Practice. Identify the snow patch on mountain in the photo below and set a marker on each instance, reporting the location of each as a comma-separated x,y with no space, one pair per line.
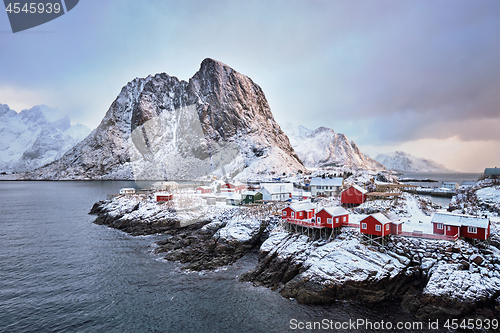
35,137
404,162
325,148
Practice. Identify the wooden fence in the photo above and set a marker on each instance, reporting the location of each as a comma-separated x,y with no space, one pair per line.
420,234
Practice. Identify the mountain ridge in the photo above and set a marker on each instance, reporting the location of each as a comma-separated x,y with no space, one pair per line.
404,162
323,147
35,137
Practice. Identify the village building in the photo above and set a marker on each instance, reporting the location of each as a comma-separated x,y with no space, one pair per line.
299,194
205,190
276,192
327,187
354,195
232,187
127,190
234,199
466,226
163,196
376,227
332,217
450,185
299,211
250,197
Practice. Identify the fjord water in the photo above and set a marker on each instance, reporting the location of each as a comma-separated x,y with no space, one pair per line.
59,272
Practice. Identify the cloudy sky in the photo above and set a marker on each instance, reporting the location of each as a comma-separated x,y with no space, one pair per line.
421,76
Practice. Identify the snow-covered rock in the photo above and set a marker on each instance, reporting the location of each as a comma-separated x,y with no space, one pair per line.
325,148
160,127
35,137
239,230
404,162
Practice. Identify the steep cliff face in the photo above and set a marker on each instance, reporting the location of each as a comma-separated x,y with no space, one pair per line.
159,127
324,148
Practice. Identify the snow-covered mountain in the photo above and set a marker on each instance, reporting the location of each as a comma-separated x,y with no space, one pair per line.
325,148
160,127
404,162
35,137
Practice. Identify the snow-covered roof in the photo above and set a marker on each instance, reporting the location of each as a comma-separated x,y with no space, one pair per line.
359,188
386,217
205,187
234,196
304,205
276,189
249,193
335,181
336,211
459,220
288,186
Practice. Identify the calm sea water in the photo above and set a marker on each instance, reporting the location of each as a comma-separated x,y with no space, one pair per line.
59,272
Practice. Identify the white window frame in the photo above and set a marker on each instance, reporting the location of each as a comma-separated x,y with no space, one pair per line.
284,213
329,220
439,226
293,214
448,228
472,230
336,220
301,214
363,226
378,227
345,218
387,227
318,219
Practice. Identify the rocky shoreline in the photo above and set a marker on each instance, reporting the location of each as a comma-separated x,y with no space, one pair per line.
429,278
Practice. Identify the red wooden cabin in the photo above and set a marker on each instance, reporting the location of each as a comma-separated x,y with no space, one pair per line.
204,189
354,195
380,224
462,225
163,196
233,187
332,217
299,211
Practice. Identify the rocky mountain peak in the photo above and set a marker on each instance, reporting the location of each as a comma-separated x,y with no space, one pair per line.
166,128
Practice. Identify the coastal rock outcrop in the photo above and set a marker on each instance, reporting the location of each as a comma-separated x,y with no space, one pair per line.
315,272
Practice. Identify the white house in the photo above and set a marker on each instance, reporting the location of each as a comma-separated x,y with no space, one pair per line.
276,192
326,186
449,185
127,190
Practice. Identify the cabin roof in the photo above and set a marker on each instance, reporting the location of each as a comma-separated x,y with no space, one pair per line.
234,196
359,188
335,181
249,193
276,189
459,220
386,217
336,211
304,205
